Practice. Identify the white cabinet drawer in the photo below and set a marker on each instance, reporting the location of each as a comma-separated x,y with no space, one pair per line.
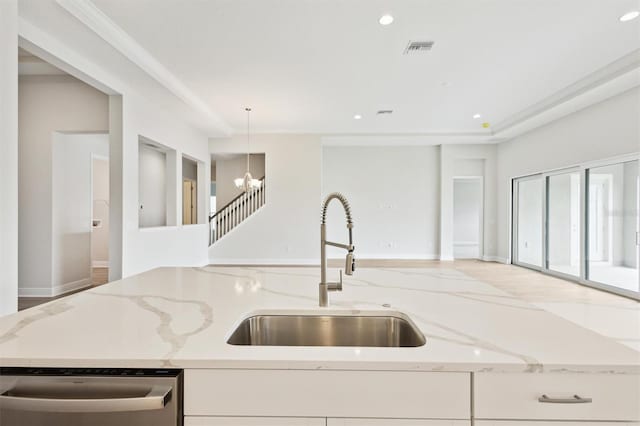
515,396
543,423
253,421
321,393
396,422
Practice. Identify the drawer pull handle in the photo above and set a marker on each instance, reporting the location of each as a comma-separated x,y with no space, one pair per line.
575,400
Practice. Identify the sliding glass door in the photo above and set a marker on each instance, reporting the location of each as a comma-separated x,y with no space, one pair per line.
582,224
528,202
612,231
563,223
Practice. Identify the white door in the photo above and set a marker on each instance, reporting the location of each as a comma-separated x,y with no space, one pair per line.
467,217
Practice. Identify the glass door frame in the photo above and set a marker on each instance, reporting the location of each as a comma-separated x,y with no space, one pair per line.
585,248
545,223
515,194
584,224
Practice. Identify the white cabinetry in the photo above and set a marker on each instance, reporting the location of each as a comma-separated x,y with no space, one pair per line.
543,423
253,421
593,397
396,422
322,393
228,397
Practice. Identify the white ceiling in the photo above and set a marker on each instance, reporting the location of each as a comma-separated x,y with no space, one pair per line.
309,65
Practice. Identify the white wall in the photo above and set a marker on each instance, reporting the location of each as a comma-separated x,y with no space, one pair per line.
8,156
152,184
71,208
286,229
173,245
228,169
100,235
604,130
133,250
393,192
189,169
47,104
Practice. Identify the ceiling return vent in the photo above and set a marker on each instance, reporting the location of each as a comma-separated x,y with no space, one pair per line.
418,47
385,112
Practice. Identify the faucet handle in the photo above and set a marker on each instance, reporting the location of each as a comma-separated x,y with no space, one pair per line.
336,286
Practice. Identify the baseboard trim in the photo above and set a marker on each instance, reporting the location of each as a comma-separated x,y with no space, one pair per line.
394,256
316,262
495,259
56,290
34,292
74,285
279,262
100,264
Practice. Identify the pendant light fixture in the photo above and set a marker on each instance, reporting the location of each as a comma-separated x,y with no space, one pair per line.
247,183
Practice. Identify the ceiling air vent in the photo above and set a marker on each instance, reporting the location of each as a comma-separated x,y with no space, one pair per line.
418,47
385,112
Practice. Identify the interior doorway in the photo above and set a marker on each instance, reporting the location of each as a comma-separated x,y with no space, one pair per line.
189,191
189,202
99,219
468,214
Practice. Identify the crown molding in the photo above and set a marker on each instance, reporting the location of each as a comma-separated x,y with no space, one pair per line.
94,19
611,80
407,139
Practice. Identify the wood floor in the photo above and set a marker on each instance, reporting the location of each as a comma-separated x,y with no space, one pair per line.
99,276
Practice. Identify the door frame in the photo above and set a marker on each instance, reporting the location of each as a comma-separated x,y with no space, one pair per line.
515,190
194,197
480,180
94,157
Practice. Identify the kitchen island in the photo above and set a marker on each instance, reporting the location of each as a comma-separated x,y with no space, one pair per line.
490,358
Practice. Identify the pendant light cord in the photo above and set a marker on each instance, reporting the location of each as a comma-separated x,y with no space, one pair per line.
248,137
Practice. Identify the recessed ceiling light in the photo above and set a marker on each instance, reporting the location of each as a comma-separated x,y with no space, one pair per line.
476,116
385,19
629,16
357,117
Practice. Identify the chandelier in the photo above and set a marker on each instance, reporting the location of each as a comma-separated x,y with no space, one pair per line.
247,183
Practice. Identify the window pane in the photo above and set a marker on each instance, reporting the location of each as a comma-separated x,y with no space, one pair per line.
613,223
563,223
529,221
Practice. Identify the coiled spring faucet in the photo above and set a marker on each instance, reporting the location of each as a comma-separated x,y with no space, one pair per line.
350,262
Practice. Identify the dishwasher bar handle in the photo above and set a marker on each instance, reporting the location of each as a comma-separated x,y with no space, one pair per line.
155,399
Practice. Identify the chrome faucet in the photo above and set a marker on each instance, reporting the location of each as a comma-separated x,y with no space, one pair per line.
350,262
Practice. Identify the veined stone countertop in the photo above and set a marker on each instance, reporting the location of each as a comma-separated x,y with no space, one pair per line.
182,317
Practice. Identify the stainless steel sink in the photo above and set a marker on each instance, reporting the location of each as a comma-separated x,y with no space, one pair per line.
328,330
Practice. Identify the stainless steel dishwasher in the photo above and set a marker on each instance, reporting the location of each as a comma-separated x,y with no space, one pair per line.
90,397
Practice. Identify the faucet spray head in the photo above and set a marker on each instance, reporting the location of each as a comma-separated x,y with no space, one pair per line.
350,263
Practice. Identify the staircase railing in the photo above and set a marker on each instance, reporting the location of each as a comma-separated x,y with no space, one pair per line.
236,211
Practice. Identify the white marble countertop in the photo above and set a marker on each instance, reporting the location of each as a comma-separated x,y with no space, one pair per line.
182,317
